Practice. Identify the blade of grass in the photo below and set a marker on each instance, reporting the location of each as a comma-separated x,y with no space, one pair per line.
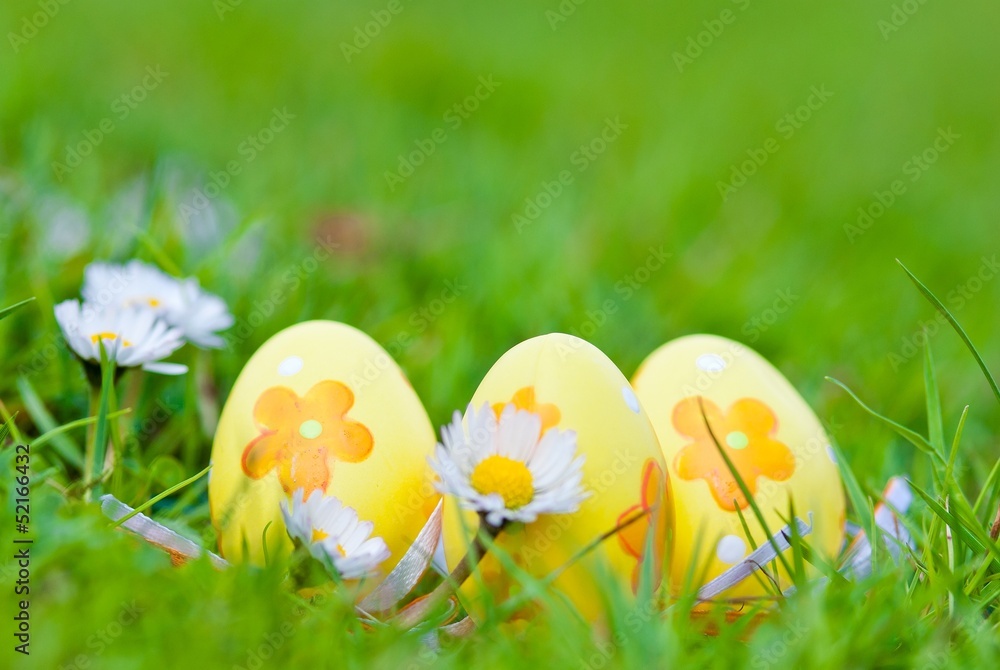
11,425
68,450
157,498
7,311
991,481
969,533
935,424
5,430
50,435
914,438
745,490
746,529
859,501
933,299
101,427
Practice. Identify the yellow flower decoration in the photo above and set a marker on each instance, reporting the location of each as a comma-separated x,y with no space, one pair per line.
300,435
746,433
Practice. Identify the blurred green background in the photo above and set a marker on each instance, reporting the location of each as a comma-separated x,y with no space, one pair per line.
696,89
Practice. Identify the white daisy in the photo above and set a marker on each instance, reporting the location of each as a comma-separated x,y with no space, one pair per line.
180,302
333,534
507,470
132,337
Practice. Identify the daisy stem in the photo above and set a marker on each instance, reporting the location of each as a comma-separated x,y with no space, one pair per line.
97,446
88,456
413,615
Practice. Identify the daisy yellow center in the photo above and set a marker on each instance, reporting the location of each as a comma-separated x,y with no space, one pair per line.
97,337
508,478
153,302
318,535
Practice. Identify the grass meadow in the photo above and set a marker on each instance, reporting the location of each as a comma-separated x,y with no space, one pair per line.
453,178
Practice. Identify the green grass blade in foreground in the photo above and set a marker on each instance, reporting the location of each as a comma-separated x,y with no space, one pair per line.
954,324
11,426
65,447
7,311
157,498
935,424
5,430
953,454
745,490
50,435
101,429
859,501
914,438
971,534
984,495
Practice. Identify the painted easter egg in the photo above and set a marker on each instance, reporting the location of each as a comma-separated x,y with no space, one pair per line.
768,431
572,386
320,406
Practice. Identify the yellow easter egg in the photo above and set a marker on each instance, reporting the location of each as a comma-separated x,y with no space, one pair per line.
572,386
769,432
320,406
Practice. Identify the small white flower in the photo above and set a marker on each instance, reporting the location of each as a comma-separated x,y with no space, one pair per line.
506,469
132,337
180,302
333,534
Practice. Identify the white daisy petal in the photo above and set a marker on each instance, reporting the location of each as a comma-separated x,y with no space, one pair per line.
166,368
333,534
132,337
505,469
182,304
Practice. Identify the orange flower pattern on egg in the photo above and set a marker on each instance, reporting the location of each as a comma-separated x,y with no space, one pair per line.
524,398
632,538
746,432
299,435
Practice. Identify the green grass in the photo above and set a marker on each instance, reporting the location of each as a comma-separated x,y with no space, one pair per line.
847,310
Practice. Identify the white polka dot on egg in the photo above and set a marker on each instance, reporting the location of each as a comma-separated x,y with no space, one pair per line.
831,454
731,549
710,363
629,395
290,366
